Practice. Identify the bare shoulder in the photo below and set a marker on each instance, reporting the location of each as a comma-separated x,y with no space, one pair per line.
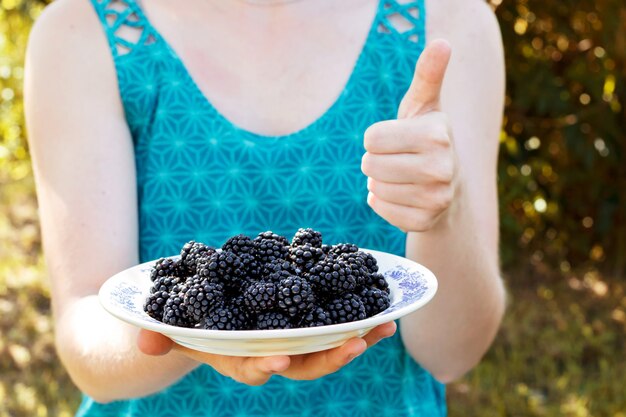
65,24
68,55
459,18
477,51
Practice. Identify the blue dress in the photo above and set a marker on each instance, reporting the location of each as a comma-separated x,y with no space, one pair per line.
201,177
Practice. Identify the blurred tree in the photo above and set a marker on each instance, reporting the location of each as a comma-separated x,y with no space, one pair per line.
562,159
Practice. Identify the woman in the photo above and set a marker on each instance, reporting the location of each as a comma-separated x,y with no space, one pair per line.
155,123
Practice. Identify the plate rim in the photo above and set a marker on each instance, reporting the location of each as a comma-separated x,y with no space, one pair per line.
370,322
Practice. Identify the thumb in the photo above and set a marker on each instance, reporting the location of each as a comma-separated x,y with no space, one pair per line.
424,91
154,344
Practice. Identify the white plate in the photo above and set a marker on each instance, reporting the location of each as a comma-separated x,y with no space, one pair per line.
411,285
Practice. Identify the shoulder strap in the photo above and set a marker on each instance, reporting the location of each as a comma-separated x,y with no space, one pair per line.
405,18
125,25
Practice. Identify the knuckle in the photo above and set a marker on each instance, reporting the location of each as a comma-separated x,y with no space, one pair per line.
440,136
444,199
418,223
444,171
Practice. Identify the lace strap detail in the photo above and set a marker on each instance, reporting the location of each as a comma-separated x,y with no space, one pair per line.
404,18
125,24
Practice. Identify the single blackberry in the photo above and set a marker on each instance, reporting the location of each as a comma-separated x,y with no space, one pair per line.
241,316
224,267
356,264
239,245
201,296
279,269
174,313
166,284
250,268
307,237
346,308
155,304
220,319
159,293
191,253
376,280
305,256
332,276
370,262
270,246
260,297
165,267
315,317
294,296
344,248
374,300
272,320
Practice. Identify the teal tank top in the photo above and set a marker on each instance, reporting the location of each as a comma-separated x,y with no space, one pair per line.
201,177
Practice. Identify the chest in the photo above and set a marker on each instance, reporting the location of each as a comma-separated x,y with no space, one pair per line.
268,71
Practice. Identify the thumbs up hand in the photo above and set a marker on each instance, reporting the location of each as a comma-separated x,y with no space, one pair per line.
410,162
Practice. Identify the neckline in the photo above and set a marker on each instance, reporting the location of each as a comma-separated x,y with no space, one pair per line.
207,103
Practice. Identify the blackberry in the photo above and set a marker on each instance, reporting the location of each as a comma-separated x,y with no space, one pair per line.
191,253
344,248
220,319
260,297
270,246
225,267
374,300
201,296
294,296
155,303
307,237
317,316
356,264
159,293
174,313
250,268
305,256
376,280
239,245
346,308
272,320
165,267
279,269
326,249
241,316
369,261
331,277
166,284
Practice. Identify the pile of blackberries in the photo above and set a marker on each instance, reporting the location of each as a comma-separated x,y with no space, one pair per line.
266,283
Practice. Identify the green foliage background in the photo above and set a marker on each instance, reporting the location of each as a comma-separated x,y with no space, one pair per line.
561,348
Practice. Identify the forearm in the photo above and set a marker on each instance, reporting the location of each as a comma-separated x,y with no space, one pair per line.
450,335
101,355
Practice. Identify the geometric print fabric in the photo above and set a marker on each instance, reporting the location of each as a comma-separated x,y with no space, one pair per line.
201,177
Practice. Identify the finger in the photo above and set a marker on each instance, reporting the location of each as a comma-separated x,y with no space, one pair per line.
408,168
248,370
380,332
152,343
427,196
423,94
409,219
316,365
408,135
257,371
399,168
